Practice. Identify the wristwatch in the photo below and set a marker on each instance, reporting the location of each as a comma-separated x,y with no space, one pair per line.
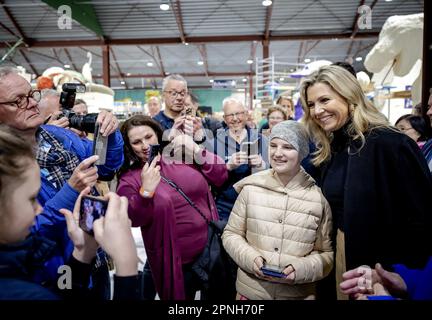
146,194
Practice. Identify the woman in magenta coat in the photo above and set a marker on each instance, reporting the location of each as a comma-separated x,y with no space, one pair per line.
174,233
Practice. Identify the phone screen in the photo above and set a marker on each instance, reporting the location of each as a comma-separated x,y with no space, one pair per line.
154,150
249,147
91,209
273,271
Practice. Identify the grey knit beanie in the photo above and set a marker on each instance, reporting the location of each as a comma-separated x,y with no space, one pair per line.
295,134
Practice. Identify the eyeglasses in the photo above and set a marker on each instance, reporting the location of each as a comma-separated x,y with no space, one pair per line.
173,94
232,115
23,101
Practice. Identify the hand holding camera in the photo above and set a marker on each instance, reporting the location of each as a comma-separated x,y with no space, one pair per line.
57,119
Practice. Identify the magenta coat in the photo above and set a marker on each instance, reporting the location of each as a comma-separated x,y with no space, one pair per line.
173,232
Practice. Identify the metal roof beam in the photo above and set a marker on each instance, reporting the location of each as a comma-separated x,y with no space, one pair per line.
210,74
70,59
253,54
56,58
120,73
179,19
12,19
106,74
8,30
29,63
355,27
203,52
161,65
269,11
209,39
92,52
82,12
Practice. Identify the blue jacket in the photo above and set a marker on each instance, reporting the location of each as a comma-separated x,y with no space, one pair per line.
51,224
224,146
164,121
419,282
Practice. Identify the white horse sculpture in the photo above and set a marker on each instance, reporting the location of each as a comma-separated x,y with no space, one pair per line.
398,52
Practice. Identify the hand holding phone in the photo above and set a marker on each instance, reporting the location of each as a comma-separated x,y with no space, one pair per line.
100,145
91,209
250,147
154,151
272,271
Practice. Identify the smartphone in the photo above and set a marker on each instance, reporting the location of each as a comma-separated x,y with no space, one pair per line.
154,150
273,271
100,146
189,111
249,147
91,209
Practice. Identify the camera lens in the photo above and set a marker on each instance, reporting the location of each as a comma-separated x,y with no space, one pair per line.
83,123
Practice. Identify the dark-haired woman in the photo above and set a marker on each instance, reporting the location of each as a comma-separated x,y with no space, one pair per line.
174,233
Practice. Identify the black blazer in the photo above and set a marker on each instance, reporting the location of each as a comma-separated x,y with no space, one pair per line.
387,207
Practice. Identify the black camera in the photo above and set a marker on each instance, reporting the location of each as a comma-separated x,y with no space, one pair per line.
67,99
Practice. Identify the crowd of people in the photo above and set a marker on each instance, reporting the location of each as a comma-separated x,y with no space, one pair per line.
338,197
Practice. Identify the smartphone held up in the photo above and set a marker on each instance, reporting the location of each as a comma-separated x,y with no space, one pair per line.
91,209
100,146
154,151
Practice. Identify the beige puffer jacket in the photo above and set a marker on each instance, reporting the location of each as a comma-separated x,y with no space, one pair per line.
285,225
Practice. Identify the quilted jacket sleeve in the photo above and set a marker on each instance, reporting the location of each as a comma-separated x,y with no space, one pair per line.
234,236
319,262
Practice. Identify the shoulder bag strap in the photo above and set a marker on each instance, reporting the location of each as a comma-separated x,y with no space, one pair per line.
179,190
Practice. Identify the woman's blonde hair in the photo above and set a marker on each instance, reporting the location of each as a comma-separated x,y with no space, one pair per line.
279,108
15,154
364,116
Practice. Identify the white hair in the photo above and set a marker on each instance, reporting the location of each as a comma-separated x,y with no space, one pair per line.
4,71
175,77
49,92
230,100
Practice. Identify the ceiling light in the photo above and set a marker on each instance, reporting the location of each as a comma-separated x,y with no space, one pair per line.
149,64
249,61
267,3
164,6
291,70
244,80
281,79
359,59
186,43
200,63
67,66
388,0
211,80
128,74
307,60
122,82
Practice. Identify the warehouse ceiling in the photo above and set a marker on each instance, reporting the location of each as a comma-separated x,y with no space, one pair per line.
201,39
